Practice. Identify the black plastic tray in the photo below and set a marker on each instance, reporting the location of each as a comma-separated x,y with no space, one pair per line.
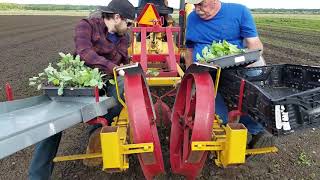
294,89
250,56
53,91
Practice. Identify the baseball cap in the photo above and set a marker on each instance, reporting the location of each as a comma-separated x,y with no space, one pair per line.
122,7
194,1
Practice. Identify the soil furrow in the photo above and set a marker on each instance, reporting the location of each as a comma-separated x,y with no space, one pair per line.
26,31
315,41
16,43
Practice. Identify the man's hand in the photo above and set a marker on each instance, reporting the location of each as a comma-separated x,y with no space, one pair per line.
121,72
188,57
255,43
260,62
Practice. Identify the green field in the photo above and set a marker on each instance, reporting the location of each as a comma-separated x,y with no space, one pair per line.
46,13
45,9
287,21
291,37
289,16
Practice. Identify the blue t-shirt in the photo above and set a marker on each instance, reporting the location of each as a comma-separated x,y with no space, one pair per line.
113,37
232,23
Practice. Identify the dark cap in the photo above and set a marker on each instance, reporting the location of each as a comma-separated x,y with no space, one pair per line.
122,7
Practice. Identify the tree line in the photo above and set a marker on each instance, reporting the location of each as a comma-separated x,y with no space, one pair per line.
50,7
286,11
44,7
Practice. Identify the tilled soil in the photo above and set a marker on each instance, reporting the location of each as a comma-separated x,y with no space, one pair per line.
29,43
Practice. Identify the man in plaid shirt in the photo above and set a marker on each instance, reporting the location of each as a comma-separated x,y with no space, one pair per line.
102,42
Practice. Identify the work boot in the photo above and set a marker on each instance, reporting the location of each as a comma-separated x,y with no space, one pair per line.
261,140
94,146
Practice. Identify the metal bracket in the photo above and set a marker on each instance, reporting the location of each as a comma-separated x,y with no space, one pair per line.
262,150
229,144
207,146
77,157
126,149
137,148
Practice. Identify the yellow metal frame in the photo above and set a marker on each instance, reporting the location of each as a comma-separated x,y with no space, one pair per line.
163,81
77,157
166,81
216,84
117,87
115,159
217,80
229,144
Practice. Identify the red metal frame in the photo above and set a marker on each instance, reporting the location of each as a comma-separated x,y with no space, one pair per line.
142,123
162,110
241,93
98,120
154,57
235,114
182,12
96,93
170,59
192,120
9,92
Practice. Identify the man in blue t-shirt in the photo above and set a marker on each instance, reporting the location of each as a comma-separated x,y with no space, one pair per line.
213,20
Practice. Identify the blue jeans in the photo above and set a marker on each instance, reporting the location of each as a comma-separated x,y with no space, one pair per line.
222,110
41,164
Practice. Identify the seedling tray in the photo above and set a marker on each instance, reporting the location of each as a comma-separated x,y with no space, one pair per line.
53,91
281,97
248,57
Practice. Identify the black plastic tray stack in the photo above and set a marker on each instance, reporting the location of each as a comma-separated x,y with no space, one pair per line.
296,88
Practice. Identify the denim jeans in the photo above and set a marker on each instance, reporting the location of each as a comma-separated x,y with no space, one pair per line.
221,109
41,164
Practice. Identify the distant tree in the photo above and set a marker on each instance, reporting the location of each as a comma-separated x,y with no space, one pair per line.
44,7
285,11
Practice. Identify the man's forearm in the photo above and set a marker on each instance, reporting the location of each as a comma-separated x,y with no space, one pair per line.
255,43
188,57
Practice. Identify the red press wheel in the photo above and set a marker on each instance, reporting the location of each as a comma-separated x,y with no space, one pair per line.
142,123
192,120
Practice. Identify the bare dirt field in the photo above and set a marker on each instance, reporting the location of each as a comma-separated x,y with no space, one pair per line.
29,43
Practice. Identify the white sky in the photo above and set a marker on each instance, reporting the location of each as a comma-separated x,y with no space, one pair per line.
289,4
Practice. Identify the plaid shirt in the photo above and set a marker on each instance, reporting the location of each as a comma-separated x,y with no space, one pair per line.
96,49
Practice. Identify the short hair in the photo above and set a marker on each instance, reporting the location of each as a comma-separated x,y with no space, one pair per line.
108,16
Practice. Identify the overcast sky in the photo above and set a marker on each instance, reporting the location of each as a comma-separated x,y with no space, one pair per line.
289,4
